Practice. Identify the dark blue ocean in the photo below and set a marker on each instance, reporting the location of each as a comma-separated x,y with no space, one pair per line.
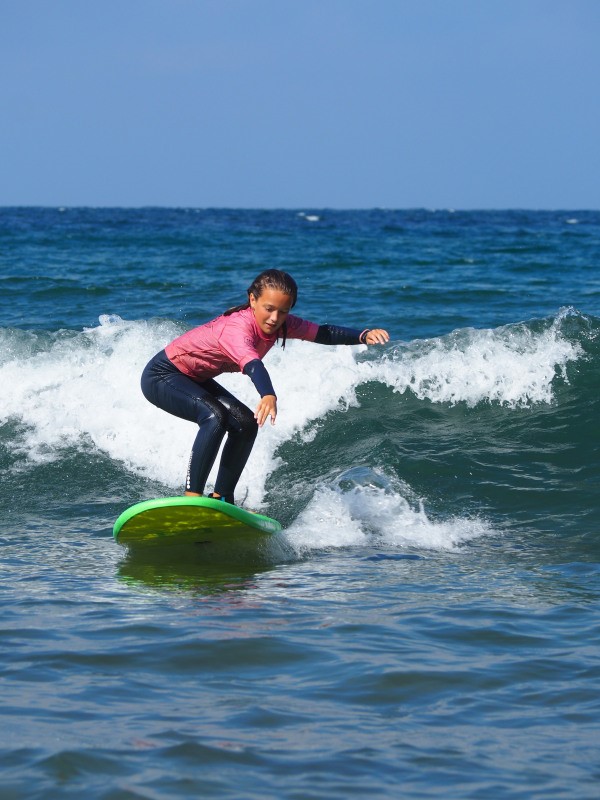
428,623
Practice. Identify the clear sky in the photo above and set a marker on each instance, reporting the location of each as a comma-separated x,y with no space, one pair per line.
300,103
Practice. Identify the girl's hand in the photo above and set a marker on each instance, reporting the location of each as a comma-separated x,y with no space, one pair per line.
377,336
266,408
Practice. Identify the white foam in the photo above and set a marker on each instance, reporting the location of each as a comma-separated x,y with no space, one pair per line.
372,515
86,387
512,366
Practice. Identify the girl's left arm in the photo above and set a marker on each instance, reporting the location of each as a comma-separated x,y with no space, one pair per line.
335,334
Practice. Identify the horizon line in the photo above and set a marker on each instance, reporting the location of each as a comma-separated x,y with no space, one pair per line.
301,209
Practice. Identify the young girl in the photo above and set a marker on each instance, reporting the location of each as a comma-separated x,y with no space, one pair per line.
180,379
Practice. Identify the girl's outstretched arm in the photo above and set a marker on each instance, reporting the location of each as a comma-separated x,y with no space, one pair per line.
336,334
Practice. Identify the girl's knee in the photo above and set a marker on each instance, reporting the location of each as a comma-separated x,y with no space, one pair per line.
211,414
248,424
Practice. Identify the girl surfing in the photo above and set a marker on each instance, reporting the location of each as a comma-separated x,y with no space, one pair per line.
180,379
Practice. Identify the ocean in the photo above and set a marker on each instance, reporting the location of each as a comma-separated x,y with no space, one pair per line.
427,625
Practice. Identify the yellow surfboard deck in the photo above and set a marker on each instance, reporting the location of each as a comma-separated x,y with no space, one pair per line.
190,521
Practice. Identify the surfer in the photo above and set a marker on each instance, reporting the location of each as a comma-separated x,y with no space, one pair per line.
180,379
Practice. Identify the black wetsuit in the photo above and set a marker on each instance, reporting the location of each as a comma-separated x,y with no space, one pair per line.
217,412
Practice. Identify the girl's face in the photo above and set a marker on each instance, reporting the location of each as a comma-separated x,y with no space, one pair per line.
270,309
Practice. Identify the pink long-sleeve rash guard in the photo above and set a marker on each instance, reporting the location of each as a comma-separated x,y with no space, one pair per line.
228,343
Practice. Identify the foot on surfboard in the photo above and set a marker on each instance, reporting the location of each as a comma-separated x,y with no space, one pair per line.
215,496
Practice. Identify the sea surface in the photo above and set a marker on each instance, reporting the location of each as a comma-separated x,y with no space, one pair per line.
428,623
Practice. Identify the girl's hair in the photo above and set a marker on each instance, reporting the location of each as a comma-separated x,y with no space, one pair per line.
270,279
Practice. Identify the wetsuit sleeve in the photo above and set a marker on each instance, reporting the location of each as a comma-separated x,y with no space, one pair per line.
334,334
257,372
298,328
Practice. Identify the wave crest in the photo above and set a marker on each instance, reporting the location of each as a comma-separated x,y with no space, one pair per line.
81,388
514,365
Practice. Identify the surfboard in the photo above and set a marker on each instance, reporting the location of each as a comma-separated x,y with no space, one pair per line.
199,521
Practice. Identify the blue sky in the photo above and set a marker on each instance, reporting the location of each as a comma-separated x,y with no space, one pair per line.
310,104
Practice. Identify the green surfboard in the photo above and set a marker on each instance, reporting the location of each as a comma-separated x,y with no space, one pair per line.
201,521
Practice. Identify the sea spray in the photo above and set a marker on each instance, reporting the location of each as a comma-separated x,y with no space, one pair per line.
368,508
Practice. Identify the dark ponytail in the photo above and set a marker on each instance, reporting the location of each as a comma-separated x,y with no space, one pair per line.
270,279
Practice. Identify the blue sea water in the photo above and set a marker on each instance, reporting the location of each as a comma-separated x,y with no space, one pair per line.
427,624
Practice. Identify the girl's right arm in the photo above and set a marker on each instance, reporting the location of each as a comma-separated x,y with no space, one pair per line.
266,408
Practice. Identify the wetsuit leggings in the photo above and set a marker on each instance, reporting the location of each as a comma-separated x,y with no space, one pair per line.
216,411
